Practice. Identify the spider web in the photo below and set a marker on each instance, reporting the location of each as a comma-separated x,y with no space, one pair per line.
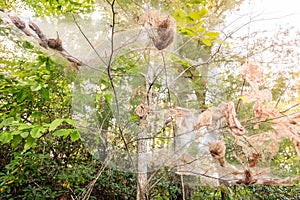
150,115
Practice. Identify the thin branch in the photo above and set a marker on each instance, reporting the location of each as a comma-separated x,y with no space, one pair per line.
151,177
182,185
281,94
86,38
91,185
289,108
166,77
239,101
274,118
209,60
110,77
150,86
201,174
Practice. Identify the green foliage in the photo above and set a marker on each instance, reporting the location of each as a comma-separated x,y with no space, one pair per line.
51,7
5,4
54,171
167,185
35,98
193,25
116,185
286,162
279,88
59,168
41,154
251,192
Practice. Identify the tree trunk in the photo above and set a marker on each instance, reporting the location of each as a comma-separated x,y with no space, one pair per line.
142,162
223,195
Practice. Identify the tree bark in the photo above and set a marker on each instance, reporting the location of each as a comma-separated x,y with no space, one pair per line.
223,195
142,162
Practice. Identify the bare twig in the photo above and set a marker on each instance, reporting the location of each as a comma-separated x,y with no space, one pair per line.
289,108
149,87
166,77
182,185
86,38
110,77
280,96
92,184
239,101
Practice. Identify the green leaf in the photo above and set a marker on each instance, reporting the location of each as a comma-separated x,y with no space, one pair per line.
36,132
134,118
189,20
195,16
48,64
36,114
16,132
206,42
6,122
27,45
45,93
24,127
24,134
6,137
108,97
35,87
16,140
70,121
75,3
244,99
55,124
211,35
178,14
21,96
188,31
62,132
75,136
29,143
203,12
201,29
